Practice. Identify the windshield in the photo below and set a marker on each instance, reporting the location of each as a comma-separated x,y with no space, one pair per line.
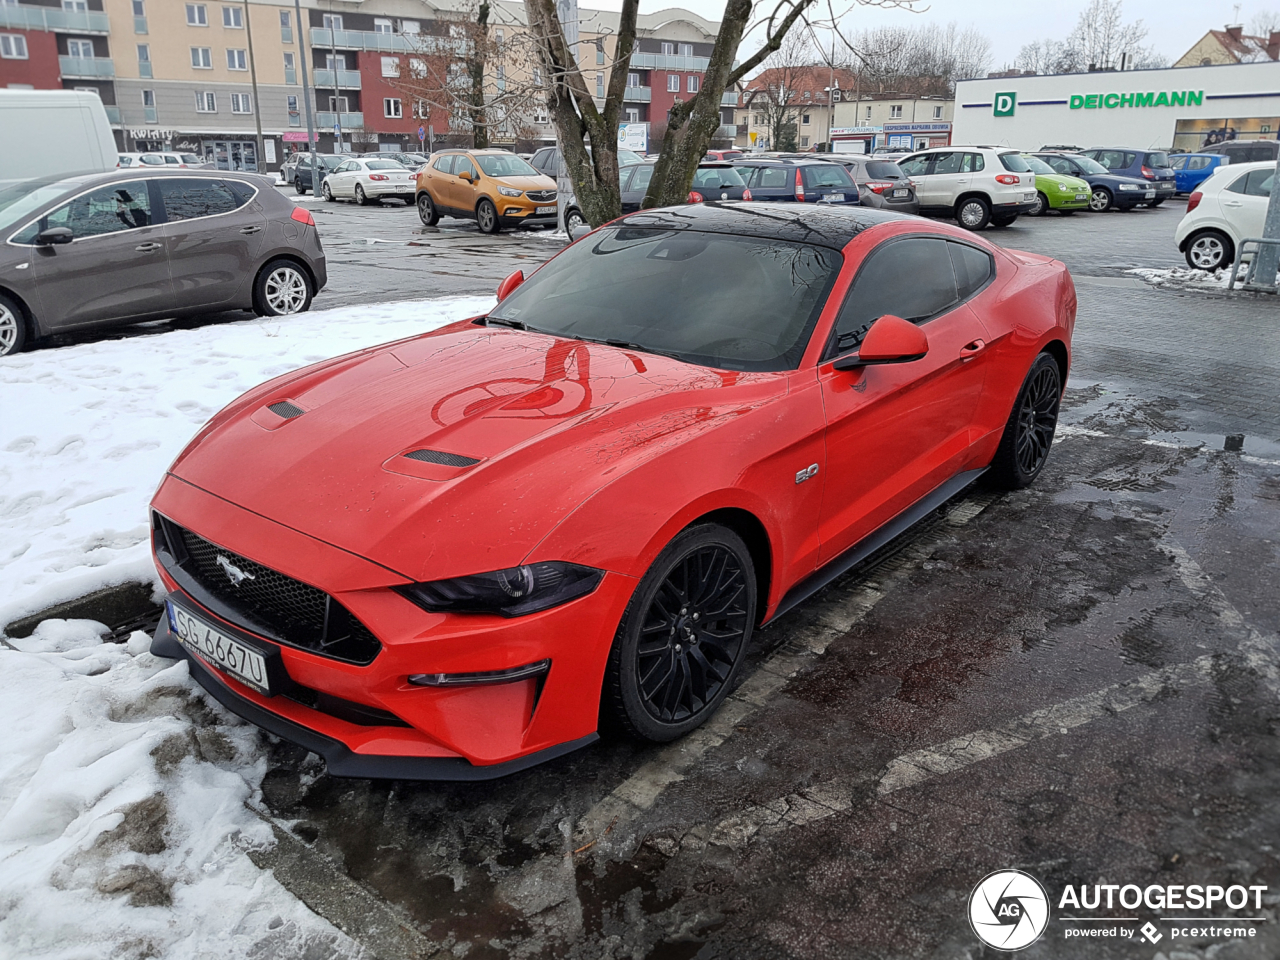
827,175
1089,165
717,178
191,158
19,199
628,157
497,165
1014,163
736,303
1037,165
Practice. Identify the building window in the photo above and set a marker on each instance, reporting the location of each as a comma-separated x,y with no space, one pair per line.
693,83
337,104
391,107
633,79
668,49
599,84
332,21
148,98
412,27
895,112
78,5
937,113
286,26
233,17
241,103
499,36
332,62
144,53
202,58
236,60
868,113
291,105
418,69
633,114
391,66
206,101
290,73
804,141
599,54
686,49
81,49
196,15
537,76
13,46
673,83
139,8
382,26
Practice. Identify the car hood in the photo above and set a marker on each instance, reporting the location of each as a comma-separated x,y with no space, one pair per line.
1075,183
540,424
528,183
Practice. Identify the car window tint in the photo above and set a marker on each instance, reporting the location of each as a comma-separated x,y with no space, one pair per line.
716,178
973,267
1129,160
1260,152
911,278
775,177
1013,162
188,198
1258,183
948,163
827,175
110,209
244,192
914,166
1060,164
1199,163
1238,184
1157,159
642,177
152,159
883,170
972,163
445,164
464,165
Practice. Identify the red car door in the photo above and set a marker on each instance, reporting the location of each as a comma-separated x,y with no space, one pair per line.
896,431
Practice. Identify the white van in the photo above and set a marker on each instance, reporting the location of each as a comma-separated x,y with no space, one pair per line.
51,132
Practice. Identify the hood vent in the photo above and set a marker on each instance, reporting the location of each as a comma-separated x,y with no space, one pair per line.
442,458
283,408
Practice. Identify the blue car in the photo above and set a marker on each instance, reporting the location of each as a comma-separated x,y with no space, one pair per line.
783,180
1192,169
1107,191
1149,165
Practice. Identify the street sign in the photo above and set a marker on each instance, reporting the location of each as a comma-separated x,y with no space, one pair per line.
422,134
336,129
753,136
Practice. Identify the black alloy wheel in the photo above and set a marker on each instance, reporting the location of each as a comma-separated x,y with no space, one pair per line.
683,637
1028,434
427,211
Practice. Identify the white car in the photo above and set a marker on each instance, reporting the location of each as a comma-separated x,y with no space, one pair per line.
157,160
1230,206
367,180
973,185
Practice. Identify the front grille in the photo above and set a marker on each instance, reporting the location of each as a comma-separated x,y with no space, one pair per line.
265,601
540,196
442,458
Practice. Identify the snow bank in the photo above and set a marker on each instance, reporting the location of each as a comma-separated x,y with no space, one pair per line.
1186,278
123,824
88,431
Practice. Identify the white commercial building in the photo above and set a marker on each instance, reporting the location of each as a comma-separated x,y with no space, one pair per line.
1184,108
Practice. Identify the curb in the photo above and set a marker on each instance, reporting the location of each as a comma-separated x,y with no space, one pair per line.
118,607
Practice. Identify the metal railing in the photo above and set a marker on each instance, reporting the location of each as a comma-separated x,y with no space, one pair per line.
662,61
638,95
139,24
113,112
144,69
51,18
728,100
349,121
347,79
85,66
324,38
1249,281
149,114
290,75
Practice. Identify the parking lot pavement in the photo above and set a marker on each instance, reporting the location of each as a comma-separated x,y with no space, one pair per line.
1078,680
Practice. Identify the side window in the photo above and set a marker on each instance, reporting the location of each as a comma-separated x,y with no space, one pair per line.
1238,185
973,163
1061,165
914,166
540,159
111,209
1198,163
1178,163
187,199
171,159
642,177
444,164
973,268
880,288
1129,160
948,162
243,192
464,165
1258,183
1259,152
775,177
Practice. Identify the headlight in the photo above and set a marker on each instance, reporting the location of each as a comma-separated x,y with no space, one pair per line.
1131,186
510,192
1063,188
513,592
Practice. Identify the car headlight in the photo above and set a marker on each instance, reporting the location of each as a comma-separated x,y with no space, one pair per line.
510,192
1063,188
513,592
1131,186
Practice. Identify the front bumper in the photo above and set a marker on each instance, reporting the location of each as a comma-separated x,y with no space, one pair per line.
513,215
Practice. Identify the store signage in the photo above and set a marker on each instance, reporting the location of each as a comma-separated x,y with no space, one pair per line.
917,127
853,131
1174,98
1004,104
292,136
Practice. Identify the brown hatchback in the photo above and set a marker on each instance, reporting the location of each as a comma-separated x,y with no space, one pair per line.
128,246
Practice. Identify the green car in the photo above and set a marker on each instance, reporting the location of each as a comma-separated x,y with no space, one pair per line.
1056,191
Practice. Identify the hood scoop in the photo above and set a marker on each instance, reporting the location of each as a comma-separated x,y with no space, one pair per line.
442,458
430,465
283,408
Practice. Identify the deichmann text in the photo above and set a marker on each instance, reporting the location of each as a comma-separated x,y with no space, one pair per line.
1156,897
1175,98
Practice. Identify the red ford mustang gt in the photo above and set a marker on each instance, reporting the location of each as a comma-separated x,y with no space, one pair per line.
457,555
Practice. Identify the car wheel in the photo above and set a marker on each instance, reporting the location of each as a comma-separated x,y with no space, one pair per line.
1003,221
427,211
360,197
973,213
1100,200
1028,435
1209,250
298,188
328,194
1155,203
487,217
683,637
13,327
1041,207
282,288
573,219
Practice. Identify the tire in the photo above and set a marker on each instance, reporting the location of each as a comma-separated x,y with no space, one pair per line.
973,213
282,289
668,686
1101,200
298,188
573,219
13,328
487,217
328,194
427,211
360,197
1041,207
1003,222
1028,434
1209,250
1155,203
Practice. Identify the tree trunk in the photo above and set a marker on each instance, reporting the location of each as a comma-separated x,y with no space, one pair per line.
479,124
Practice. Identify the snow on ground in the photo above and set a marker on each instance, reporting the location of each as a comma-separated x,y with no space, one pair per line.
1186,278
123,818
89,430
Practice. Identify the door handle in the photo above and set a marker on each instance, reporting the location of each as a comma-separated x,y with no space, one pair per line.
1232,203
148,246
250,229
972,349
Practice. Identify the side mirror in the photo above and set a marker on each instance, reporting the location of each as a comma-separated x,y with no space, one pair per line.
465,175
890,340
54,235
507,286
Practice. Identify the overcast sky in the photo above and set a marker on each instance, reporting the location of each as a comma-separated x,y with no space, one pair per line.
1173,25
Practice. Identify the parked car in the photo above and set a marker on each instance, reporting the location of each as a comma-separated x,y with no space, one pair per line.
326,163
1056,191
369,181
1151,166
972,185
785,180
723,155
134,245
711,181
414,160
1245,151
493,187
1228,207
175,161
589,498
881,183
1192,169
289,169
1107,190
549,160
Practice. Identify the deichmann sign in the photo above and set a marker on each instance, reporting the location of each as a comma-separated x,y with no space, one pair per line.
1173,98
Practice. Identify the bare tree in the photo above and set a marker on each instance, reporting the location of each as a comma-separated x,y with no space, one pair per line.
1099,41
775,94
1264,23
924,60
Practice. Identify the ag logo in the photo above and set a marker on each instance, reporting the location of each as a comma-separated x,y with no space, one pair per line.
1008,910
1004,104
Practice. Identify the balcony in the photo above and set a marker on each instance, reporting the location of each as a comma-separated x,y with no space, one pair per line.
728,100
325,39
726,131
290,75
345,79
144,69
638,95
113,113
349,121
149,115
661,61
50,18
139,24
85,68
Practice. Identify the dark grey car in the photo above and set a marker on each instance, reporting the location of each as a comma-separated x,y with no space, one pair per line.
128,246
881,183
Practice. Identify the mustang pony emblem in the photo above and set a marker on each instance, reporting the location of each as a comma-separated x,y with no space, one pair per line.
234,573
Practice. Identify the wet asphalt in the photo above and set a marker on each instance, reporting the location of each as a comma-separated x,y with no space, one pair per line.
1078,680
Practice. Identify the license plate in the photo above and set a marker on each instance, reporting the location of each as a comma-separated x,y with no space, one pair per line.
1082,196
900,192
1150,194
833,197
209,643
542,210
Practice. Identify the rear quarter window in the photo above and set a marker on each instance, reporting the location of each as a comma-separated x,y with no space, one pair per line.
1013,163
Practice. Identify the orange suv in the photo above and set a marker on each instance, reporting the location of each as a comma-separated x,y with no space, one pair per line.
493,187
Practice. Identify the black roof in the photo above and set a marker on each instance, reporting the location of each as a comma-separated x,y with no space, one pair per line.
825,224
